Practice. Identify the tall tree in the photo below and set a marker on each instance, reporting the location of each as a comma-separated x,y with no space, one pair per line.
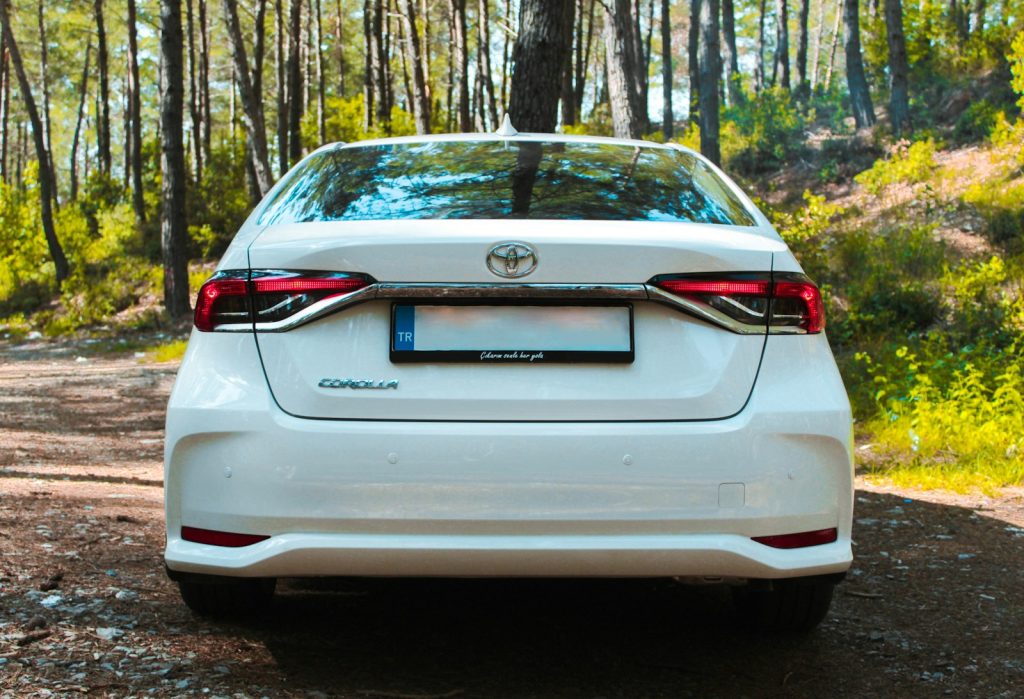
803,88
623,63
193,96
818,33
584,45
321,114
44,80
173,225
780,69
252,104
835,43
103,98
339,46
667,118
533,102
899,69
760,73
295,102
693,60
710,69
135,117
460,52
60,262
732,55
281,93
484,54
860,96
76,136
5,106
204,79
568,96
420,98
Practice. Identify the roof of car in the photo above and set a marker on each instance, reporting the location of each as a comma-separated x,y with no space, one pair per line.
483,137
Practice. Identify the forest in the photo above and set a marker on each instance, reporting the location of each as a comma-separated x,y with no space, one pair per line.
884,139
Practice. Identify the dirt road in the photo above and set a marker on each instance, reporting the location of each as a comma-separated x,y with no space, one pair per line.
933,607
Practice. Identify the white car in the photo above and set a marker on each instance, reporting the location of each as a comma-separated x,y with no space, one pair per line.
510,355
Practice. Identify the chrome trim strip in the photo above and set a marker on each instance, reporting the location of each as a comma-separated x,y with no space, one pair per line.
704,312
488,290
491,290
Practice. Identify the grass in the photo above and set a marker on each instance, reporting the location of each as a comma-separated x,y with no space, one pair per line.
166,352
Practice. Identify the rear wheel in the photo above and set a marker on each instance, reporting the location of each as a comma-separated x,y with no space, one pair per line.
231,598
785,605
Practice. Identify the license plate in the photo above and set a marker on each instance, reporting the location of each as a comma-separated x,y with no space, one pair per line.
511,333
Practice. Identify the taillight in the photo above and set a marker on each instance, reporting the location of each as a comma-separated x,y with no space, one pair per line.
219,538
224,300
279,295
236,299
800,539
781,303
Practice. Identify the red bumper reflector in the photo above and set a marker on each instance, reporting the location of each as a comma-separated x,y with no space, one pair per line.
799,540
215,538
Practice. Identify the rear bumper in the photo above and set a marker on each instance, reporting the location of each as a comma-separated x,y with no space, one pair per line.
508,499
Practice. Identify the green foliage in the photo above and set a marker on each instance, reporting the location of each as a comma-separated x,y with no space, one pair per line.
977,122
908,164
808,231
762,133
1016,60
343,121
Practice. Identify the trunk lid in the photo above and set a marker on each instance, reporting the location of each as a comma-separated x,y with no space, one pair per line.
683,369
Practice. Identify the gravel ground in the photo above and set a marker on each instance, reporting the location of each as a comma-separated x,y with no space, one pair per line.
934,605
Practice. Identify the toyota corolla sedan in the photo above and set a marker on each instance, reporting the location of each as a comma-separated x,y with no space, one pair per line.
510,355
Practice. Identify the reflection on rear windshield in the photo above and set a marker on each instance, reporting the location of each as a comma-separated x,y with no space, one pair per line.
506,179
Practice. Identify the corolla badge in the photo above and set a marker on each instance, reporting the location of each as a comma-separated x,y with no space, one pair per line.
512,259
358,383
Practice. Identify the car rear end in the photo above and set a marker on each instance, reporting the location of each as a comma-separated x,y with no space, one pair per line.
409,365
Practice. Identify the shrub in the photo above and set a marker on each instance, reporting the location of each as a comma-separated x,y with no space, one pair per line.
761,133
907,164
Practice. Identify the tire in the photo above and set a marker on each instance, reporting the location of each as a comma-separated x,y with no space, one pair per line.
226,599
786,606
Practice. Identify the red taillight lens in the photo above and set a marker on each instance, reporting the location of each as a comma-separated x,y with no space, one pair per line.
797,303
217,538
239,297
799,540
780,303
223,300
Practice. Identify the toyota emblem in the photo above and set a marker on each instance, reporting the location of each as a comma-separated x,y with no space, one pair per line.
512,259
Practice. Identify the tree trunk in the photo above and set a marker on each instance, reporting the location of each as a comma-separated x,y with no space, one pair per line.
280,61
321,114
644,65
978,16
83,89
958,18
803,89
420,99
252,105
533,102
780,69
44,79
710,71
899,69
759,67
568,96
103,113
204,79
461,55
835,43
583,49
623,63
816,60
60,262
733,65
505,55
693,59
295,103
667,118
173,225
860,96
5,106
193,97
339,47
486,73
134,115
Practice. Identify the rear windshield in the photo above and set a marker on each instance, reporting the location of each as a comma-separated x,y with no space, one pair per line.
505,179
